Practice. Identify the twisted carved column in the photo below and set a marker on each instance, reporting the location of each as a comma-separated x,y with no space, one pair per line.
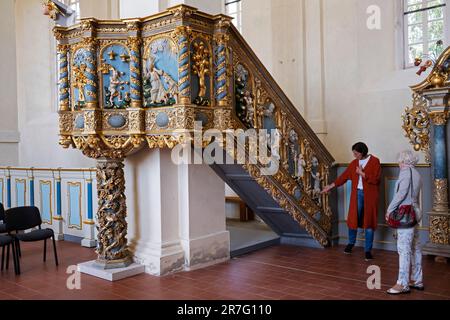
184,82
90,44
221,69
134,44
63,78
112,247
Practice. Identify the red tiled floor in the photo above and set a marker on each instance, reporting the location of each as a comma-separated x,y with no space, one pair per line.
278,273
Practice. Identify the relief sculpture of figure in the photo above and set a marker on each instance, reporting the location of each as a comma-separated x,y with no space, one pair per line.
157,91
269,110
249,107
114,83
172,88
317,185
301,163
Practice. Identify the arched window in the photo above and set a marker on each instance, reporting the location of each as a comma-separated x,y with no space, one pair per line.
425,23
233,8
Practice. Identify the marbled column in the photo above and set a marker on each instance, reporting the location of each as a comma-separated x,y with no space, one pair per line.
58,200
63,78
439,218
184,82
32,191
8,191
112,246
90,211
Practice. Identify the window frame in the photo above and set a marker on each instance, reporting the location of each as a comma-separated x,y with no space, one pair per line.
425,40
237,21
77,8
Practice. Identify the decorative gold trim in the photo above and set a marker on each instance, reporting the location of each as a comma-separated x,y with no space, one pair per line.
89,222
440,195
439,118
49,169
432,81
49,183
69,225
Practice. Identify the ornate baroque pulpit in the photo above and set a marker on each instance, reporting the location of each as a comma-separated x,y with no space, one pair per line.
129,84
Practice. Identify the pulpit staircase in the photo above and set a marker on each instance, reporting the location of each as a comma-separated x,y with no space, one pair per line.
286,201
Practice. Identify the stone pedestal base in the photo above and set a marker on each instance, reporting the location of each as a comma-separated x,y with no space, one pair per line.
441,251
88,243
206,251
59,236
94,269
159,259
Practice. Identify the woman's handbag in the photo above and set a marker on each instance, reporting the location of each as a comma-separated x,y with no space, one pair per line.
404,216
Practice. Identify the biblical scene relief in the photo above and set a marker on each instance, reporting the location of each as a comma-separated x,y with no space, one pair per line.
83,78
160,74
245,109
201,66
115,71
304,166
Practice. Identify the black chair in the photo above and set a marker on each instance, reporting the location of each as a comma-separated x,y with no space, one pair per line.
7,242
24,218
2,218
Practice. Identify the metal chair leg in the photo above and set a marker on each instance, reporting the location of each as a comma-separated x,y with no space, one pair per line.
54,250
3,257
15,259
7,257
45,249
17,249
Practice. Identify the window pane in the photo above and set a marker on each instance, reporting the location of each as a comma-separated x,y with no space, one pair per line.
415,17
436,13
433,3
232,7
414,8
411,2
415,51
415,33
435,30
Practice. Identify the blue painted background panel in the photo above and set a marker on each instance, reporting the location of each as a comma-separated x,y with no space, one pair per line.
74,206
46,198
20,193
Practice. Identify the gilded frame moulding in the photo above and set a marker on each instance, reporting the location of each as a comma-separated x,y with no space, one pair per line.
24,181
48,183
69,210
